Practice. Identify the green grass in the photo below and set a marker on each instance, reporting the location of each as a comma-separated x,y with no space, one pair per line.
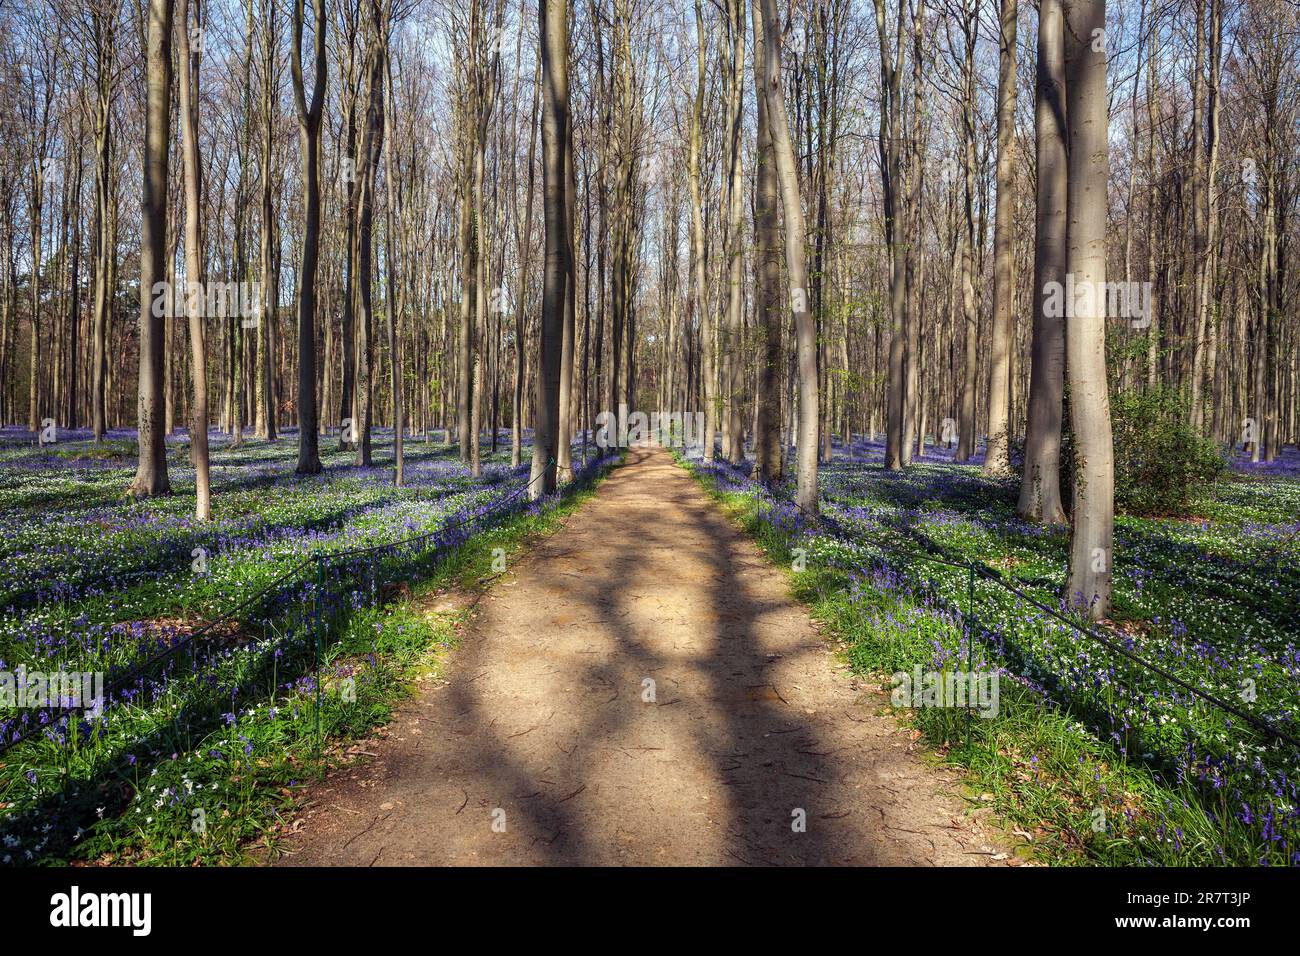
221,796
1067,797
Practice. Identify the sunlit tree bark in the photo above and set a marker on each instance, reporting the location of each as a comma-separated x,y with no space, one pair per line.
1091,547
189,96
554,31
1040,486
805,332
151,471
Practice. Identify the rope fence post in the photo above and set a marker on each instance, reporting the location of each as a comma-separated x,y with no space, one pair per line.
970,616
970,641
320,597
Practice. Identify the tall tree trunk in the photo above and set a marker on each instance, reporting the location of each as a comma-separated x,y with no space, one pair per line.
996,459
554,32
806,334
699,274
468,286
72,394
733,444
151,471
1040,486
970,315
767,268
264,382
392,211
309,128
105,254
349,415
890,170
525,256
195,279
1207,222
564,451
1091,549
1153,326
914,266
371,145
478,270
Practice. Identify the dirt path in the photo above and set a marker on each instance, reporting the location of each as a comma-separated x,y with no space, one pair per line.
543,726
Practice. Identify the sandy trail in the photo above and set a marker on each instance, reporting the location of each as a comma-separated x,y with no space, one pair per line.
544,748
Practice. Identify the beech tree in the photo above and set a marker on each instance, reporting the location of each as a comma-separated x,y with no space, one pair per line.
1040,486
1091,547
553,27
309,123
155,294
805,333
189,96
996,461
768,458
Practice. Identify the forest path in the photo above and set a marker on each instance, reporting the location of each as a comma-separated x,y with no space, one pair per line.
543,726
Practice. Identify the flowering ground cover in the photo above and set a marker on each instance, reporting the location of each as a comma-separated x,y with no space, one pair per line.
229,649
1112,747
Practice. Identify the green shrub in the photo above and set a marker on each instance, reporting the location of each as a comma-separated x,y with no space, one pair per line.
1161,462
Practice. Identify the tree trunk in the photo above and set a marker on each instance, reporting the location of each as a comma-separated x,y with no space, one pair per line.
733,444
525,256
914,266
371,145
806,334
264,389
104,211
564,450
1207,220
309,127
996,460
189,96
767,269
970,315
554,32
890,170
392,213
1091,550
1040,486
151,471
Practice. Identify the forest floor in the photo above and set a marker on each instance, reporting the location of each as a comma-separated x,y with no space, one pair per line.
641,688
